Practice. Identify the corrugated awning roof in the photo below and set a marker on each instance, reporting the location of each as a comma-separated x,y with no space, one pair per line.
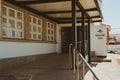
60,10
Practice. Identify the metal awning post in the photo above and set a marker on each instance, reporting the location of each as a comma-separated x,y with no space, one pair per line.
83,34
74,32
89,45
74,21
83,40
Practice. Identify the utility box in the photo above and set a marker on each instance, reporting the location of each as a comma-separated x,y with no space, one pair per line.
99,40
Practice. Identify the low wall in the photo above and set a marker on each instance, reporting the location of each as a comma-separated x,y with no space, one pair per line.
17,49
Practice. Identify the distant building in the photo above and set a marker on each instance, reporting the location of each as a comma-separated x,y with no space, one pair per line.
115,34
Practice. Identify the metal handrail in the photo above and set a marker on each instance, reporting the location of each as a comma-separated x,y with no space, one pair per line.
74,57
70,59
84,61
76,52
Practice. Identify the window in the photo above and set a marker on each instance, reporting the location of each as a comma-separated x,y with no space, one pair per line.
50,31
12,23
12,26
35,27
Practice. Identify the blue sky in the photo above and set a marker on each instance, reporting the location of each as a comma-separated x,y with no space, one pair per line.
111,12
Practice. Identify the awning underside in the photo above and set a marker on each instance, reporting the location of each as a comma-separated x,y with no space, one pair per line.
60,10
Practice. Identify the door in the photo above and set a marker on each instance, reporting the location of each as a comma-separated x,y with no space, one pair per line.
66,38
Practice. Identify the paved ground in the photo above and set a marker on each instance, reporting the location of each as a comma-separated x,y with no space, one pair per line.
47,67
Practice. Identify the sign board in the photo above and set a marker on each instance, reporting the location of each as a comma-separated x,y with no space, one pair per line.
99,40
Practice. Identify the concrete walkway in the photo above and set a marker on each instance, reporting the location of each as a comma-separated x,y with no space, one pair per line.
107,70
47,67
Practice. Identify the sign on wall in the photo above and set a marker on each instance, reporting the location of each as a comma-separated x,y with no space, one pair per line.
100,34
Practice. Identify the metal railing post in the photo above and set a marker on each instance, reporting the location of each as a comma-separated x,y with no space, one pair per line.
74,60
70,55
83,71
78,69
78,74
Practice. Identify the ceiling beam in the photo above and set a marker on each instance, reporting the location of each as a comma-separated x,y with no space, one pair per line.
68,22
81,8
62,12
30,9
98,7
68,18
95,16
40,1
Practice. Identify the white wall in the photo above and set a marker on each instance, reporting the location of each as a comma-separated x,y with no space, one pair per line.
99,45
14,49
92,37
115,48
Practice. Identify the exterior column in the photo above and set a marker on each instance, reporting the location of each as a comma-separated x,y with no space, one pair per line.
83,34
89,44
26,24
74,24
74,36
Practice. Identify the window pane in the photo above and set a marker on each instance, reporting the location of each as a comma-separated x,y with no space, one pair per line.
34,28
39,29
13,33
52,38
4,11
52,26
4,22
19,15
34,20
21,35
11,13
19,25
39,22
48,37
48,31
30,27
34,36
12,23
39,36
51,32
30,35
17,34
48,25
4,32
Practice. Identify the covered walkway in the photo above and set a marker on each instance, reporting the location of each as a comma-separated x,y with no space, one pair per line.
73,13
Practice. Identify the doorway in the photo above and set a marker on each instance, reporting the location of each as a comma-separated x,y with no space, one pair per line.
66,38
